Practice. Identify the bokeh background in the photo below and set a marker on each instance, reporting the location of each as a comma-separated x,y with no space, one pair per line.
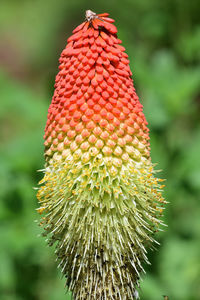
162,39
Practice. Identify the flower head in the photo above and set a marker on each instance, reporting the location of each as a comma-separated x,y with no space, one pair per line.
100,198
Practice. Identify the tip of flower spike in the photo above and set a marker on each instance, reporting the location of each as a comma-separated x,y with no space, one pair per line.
90,15
97,21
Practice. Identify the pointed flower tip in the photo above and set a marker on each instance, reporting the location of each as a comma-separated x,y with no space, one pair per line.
97,22
90,15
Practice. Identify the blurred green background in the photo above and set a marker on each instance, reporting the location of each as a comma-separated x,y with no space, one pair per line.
162,39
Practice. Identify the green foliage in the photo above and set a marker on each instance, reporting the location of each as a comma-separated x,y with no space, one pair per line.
162,39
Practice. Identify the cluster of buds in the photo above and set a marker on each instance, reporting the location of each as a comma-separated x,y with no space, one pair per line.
101,200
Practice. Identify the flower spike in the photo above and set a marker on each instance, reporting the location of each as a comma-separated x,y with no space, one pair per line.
100,200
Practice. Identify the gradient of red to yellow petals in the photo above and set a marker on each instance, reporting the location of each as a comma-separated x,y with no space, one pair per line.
95,103
101,201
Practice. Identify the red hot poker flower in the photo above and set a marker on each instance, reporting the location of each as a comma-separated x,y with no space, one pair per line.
99,193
